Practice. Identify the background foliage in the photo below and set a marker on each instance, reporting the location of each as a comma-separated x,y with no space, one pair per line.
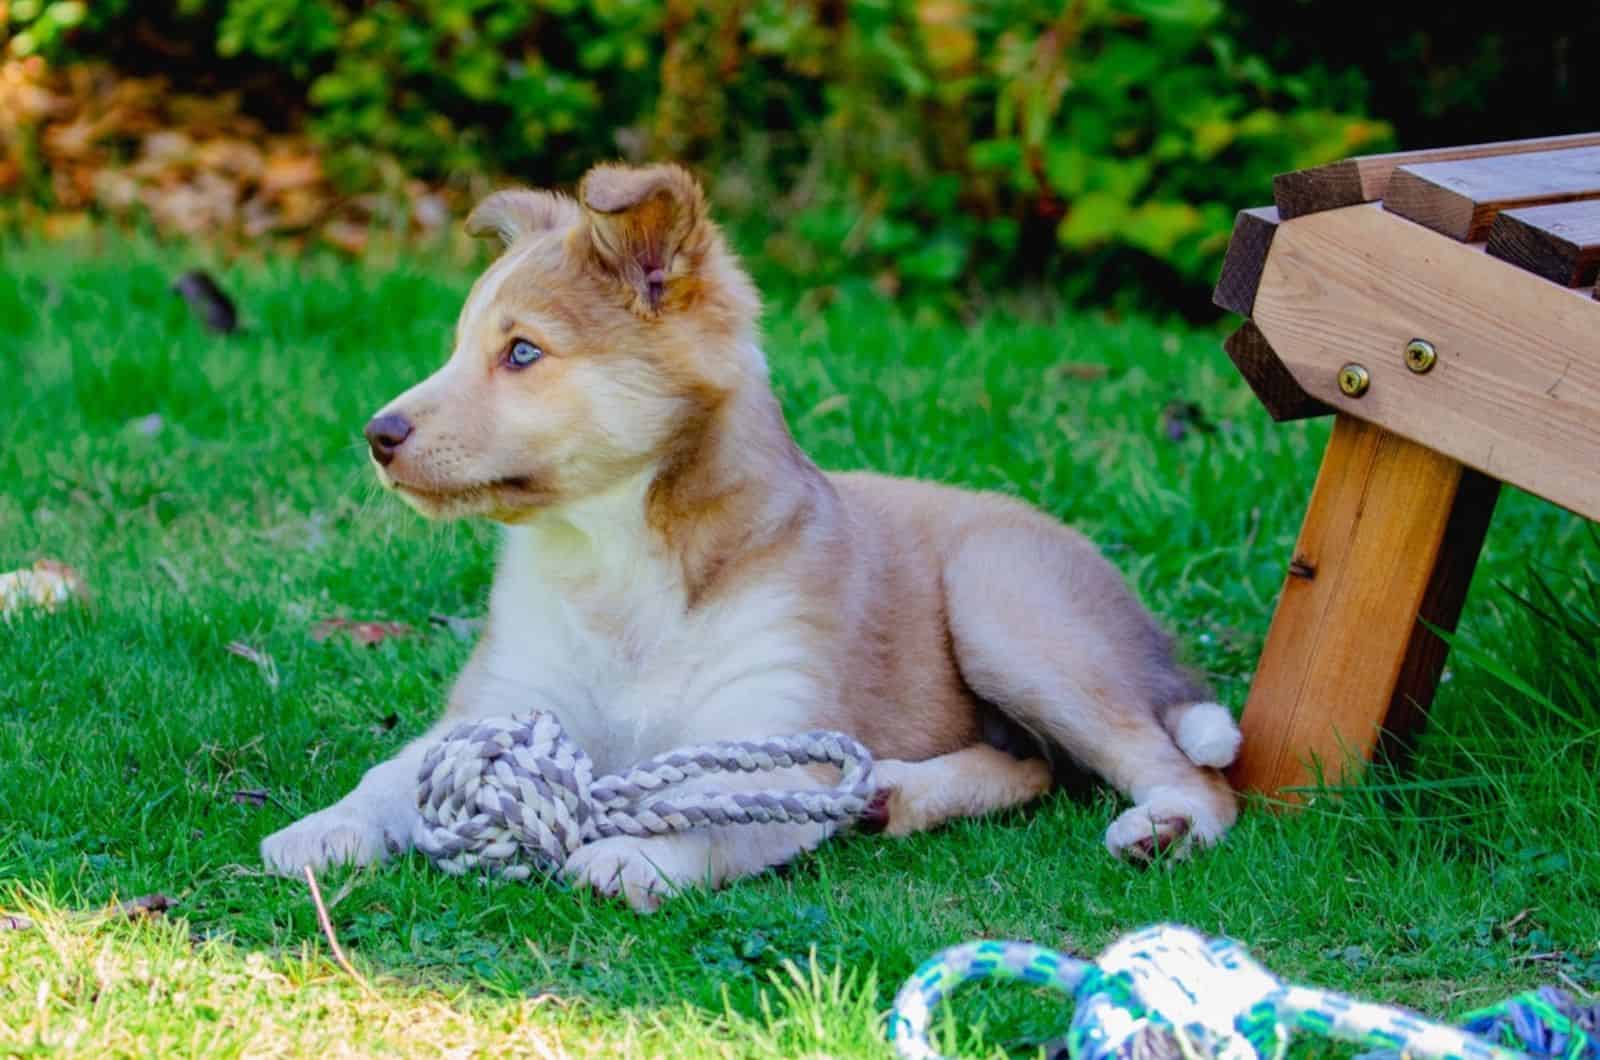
1103,143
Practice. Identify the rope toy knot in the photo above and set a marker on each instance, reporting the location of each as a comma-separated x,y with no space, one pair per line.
1170,993
517,795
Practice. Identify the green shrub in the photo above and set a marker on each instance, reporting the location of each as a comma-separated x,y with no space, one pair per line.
963,135
916,141
35,26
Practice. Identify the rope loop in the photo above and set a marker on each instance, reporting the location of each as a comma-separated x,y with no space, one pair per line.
516,795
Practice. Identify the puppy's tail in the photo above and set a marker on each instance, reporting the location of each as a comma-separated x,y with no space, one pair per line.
1205,732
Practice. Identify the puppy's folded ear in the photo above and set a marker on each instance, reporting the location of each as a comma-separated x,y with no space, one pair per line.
517,212
648,227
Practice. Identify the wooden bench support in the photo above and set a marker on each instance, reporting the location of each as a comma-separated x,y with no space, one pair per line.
1451,367
1391,535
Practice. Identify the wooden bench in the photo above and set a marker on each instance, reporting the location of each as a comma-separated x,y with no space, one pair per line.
1442,306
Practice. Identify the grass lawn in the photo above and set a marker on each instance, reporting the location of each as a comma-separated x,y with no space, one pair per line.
131,738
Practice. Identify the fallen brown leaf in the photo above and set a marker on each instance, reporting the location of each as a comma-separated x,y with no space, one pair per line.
135,148
46,585
63,226
144,906
367,633
1083,371
348,236
53,566
208,301
284,171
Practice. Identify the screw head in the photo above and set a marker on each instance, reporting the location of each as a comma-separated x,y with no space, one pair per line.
1354,380
1420,355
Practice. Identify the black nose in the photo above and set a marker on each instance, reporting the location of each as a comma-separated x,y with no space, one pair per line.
385,434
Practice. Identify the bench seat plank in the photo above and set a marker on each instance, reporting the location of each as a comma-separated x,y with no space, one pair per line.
1560,242
1366,178
1461,199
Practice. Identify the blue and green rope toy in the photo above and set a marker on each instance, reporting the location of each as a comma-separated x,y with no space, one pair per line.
1168,992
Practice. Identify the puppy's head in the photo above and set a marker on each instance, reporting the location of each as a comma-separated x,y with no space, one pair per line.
598,345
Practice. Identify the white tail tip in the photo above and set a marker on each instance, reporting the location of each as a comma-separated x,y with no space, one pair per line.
1208,734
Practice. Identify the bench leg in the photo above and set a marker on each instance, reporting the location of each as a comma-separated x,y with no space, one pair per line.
1391,535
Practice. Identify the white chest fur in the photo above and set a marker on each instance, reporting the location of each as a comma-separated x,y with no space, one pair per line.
589,618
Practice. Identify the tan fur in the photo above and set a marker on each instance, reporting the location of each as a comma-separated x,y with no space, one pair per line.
677,570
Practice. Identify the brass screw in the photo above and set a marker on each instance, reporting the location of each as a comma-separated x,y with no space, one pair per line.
1420,355
1354,380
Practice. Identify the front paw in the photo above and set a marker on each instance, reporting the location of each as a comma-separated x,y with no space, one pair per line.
1172,822
644,871
329,837
1142,835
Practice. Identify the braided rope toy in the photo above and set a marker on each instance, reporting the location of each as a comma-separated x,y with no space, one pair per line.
1167,992
515,795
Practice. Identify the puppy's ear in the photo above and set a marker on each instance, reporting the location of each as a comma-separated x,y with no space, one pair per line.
648,226
517,212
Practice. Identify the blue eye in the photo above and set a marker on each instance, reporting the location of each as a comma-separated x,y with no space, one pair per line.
523,353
